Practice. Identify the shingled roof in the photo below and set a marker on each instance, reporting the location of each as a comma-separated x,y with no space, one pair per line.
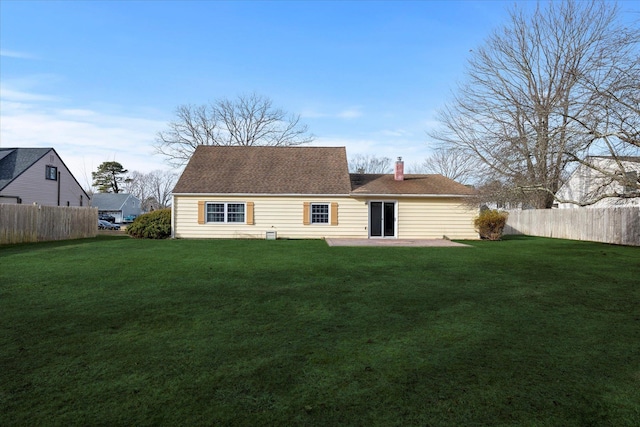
432,185
14,161
265,170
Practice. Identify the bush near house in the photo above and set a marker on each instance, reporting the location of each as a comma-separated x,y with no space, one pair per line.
153,225
490,224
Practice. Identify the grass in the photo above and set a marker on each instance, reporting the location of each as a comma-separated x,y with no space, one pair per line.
116,331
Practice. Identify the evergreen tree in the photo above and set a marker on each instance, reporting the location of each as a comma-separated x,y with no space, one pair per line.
108,177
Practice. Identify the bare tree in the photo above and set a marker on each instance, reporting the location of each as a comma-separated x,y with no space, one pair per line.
137,185
161,184
369,164
452,163
248,120
153,188
613,127
527,110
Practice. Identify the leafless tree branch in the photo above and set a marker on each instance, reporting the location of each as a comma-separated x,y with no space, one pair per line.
248,120
452,163
153,188
545,89
369,164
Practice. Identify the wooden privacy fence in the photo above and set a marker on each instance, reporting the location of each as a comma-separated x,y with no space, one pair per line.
616,225
34,223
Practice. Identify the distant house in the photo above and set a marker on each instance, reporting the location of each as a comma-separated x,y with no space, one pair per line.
118,205
38,175
587,185
307,192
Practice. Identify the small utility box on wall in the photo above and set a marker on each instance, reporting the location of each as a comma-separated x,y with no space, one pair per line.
272,235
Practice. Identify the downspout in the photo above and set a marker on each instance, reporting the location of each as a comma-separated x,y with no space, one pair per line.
59,176
173,217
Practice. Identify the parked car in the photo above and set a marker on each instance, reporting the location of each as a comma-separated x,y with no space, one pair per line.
129,218
106,225
107,217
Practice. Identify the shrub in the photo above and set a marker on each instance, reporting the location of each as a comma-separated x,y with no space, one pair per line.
152,225
490,224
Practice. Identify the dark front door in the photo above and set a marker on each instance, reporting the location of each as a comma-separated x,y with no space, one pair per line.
382,219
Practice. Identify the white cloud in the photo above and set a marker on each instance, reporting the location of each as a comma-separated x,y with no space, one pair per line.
411,153
347,114
395,133
84,138
15,54
78,113
354,146
10,94
350,113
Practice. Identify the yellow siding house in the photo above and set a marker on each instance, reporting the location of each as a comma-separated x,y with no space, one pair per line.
308,193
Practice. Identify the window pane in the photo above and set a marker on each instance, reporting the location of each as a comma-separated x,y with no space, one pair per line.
235,212
632,177
52,173
375,222
215,212
320,214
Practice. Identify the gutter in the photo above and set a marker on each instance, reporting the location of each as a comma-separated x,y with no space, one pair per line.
350,195
410,195
262,195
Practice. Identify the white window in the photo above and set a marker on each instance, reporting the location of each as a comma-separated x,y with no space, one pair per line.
226,212
319,213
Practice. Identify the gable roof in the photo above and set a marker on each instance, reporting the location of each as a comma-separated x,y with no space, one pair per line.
15,161
265,170
385,184
109,201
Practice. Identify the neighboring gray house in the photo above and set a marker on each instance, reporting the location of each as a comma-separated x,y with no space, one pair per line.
38,175
587,185
117,205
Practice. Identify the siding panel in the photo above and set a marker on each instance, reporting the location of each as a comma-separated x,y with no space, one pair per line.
285,215
435,218
418,218
32,186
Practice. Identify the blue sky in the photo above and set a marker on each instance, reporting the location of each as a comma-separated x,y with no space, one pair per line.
97,80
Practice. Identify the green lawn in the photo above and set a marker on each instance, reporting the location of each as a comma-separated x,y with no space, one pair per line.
116,331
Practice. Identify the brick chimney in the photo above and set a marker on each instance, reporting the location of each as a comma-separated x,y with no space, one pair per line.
398,174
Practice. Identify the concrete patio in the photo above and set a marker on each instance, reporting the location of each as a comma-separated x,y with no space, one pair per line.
395,242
